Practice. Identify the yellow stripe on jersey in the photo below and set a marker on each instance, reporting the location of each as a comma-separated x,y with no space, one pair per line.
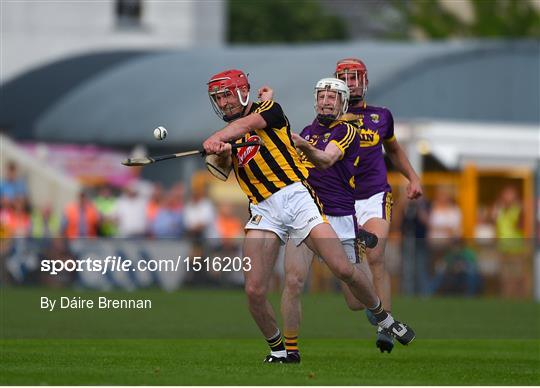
267,168
340,148
393,138
352,182
245,188
266,105
277,157
349,137
264,190
344,143
274,166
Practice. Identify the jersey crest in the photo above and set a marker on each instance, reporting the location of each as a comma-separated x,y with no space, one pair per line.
245,154
368,138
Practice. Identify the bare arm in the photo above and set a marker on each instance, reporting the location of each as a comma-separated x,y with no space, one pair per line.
320,159
399,159
217,143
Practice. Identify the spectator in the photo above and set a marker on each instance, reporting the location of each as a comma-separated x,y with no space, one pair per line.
199,212
45,223
484,231
81,218
415,229
106,205
130,213
199,218
16,218
229,228
458,272
154,203
538,220
169,222
5,211
444,220
508,214
12,186
178,192
444,228
515,279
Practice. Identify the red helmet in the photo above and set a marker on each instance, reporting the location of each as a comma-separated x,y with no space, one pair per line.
228,81
353,66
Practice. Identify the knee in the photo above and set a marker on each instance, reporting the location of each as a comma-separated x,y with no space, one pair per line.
375,258
255,293
294,285
345,272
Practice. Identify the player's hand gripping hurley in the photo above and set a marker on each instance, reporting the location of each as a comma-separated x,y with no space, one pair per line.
153,159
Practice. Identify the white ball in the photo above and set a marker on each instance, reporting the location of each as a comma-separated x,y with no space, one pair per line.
160,133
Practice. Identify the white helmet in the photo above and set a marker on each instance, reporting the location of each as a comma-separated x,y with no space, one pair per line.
334,85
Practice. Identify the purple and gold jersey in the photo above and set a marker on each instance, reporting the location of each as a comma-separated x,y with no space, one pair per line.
375,125
335,185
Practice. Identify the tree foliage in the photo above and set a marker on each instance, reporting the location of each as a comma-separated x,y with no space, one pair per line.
274,21
492,19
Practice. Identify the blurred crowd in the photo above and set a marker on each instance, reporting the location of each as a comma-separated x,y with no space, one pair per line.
431,253
444,262
427,253
140,210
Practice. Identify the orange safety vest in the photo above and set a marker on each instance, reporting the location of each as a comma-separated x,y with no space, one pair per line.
16,224
229,227
152,210
72,214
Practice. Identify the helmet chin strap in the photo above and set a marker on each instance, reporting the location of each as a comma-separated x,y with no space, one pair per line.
326,119
240,114
355,99
236,116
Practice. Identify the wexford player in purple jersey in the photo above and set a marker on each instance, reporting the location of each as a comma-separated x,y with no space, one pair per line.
373,194
330,151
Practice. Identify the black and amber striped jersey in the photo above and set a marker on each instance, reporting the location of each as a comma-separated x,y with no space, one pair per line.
264,169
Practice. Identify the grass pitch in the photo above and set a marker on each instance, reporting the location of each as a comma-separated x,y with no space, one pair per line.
207,338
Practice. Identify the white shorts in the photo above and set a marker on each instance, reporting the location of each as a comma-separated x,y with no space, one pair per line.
376,206
289,213
346,229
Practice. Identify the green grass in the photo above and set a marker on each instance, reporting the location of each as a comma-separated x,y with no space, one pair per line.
238,362
208,338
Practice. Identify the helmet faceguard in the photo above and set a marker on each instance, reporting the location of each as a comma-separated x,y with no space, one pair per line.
354,73
229,85
339,106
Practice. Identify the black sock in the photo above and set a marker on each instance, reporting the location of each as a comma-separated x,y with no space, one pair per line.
379,312
276,342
